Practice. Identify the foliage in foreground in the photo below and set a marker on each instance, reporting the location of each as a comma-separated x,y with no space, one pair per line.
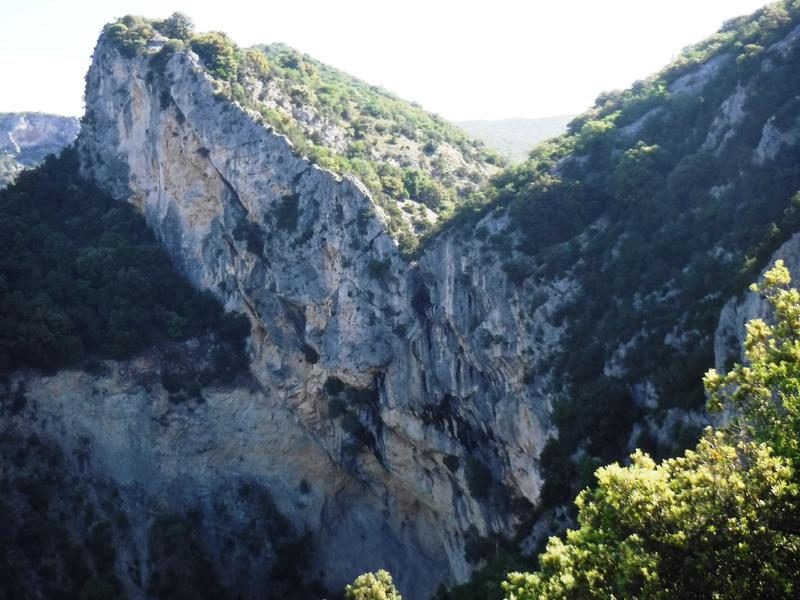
722,521
373,586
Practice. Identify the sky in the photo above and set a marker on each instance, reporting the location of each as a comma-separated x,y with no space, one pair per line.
464,59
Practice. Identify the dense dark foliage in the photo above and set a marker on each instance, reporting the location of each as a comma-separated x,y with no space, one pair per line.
82,276
180,569
485,584
53,541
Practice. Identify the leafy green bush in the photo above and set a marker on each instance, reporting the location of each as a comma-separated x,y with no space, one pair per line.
130,34
177,26
373,586
717,522
218,53
423,188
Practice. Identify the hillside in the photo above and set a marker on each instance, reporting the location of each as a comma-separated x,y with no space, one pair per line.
408,158
26,138
417,166
420,398
515,138
361,121
656,207
660,203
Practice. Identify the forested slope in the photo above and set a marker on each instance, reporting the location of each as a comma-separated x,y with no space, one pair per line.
661,202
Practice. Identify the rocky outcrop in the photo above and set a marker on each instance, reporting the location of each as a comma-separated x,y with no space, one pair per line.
26,138
397,410
773,140
730,334
32,136
694,81
404,398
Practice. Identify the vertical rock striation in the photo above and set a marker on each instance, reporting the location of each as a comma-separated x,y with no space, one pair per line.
409,397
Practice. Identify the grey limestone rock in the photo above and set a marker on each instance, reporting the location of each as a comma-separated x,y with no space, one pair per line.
401,392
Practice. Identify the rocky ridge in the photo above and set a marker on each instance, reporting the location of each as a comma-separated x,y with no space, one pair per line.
404,388
26,138
399,409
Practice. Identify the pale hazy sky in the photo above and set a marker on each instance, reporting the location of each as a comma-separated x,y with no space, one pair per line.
462,59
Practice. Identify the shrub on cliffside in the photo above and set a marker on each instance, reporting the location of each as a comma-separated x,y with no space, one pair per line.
218,53
130,34
177,26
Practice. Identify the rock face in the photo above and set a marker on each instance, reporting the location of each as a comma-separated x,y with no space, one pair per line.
397,410
403,395
730,334
26,138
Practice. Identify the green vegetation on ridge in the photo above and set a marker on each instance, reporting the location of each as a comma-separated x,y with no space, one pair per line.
417,166
660,212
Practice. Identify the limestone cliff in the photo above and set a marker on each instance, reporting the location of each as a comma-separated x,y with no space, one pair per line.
398,410
26,138
400,396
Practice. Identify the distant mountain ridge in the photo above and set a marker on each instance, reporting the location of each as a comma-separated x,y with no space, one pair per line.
27,137
514,138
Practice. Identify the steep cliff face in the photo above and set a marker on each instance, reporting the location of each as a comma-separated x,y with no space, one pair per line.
660,203
26,138
401,393
399,410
